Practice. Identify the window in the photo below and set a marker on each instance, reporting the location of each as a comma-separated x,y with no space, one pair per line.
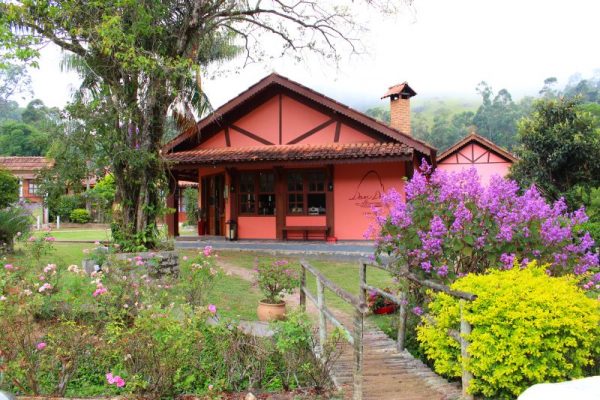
34,188
306,193
257,186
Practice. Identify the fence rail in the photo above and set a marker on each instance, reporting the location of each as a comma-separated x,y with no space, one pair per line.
354,336
361,310
459,336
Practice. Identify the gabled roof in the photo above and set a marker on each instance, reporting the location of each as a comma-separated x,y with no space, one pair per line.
295,152
400,90
278,81
25,163
484,142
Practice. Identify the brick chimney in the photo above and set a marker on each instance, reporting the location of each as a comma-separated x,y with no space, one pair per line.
400,106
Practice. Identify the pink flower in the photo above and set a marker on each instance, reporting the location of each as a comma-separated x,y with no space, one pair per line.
41,346
9,266
42,278
185,258
97,243
115,380
207,251
139,263
50,239
31,239
44,287
99,291
50,268
212,308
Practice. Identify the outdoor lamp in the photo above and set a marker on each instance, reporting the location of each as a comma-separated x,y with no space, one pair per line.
330,186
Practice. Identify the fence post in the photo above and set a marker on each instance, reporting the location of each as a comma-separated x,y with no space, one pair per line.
302,286
402,321
362,276
358,355
322,320
58,222
465,330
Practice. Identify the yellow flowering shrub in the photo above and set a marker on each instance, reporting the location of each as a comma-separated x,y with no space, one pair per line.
528,328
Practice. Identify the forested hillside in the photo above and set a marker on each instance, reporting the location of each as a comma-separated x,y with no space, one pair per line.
442,122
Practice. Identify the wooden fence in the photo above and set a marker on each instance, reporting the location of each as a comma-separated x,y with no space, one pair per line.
361,310
402,301
355,337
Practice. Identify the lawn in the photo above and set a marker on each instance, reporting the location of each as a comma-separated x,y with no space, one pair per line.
78,234
343,273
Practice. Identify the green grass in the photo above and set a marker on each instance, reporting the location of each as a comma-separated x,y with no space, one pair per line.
78,234
342,273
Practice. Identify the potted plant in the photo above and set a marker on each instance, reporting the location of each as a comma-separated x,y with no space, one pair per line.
274,280
381,305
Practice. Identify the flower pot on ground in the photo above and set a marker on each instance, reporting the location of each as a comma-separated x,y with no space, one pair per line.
271,312
381,305
275,280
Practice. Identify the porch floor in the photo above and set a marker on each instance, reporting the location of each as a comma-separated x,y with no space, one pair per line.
315,248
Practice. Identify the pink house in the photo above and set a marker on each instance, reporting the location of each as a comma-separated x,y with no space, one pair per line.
282,161
476,151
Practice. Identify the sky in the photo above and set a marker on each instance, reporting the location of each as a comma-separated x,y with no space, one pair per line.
443,48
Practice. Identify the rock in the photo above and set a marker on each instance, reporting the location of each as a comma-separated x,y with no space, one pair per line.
580,389
6,396
250,396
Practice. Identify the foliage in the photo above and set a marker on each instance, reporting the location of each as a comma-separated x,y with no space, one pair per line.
198,277
64,205
134,73
527,328
80,216
276,279
122,332
450,224
190,201
560,150
21,139
294,340
9,189
102,197
15,222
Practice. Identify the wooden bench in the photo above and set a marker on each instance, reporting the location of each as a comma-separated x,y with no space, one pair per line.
305,230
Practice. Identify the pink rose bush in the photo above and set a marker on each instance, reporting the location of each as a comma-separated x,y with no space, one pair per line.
448,224
115,380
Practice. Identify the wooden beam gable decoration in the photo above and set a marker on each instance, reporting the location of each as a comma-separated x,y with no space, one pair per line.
279,111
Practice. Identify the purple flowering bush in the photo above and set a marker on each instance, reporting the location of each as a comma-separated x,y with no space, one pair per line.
451,225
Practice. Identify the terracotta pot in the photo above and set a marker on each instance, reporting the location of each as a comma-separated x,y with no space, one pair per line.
270,312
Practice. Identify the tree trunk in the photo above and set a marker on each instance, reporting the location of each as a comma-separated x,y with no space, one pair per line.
140,175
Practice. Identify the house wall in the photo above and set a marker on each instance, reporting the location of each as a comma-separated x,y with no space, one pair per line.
486,163
296,120
358,188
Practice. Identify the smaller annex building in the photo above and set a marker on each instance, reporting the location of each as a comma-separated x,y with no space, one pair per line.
283,161
476,151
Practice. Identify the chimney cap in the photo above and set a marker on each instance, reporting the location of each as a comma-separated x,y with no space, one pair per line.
400,90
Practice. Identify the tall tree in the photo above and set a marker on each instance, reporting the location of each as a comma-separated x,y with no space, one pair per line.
560,149
497,116
143,57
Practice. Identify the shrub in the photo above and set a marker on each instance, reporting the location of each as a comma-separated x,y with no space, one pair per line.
275,280
198,276
64,205
451,224
80,216
9,189
15,222
528,328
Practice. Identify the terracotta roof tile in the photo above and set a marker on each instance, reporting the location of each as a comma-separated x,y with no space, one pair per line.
300,152
401,89
25,163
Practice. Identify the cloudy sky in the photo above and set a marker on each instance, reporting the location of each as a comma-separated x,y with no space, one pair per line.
441,47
